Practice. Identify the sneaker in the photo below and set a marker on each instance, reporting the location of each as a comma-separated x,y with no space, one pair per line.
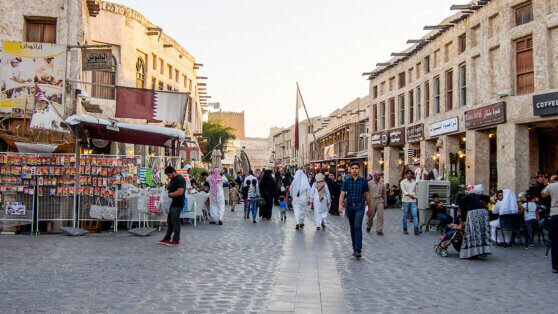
418,231
405,231
244,216
163,241
368,229
172,243
254,221
358,254
379,233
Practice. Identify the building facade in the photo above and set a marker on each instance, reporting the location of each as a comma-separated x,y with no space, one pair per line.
231,119
152,60
476,97
284,153
342,137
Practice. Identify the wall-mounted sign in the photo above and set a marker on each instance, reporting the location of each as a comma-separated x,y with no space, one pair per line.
26,65
545,104
376,140
96,59
395,137
443,127
415,133
484,116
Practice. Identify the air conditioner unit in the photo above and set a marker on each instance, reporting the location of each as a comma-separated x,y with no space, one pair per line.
425,190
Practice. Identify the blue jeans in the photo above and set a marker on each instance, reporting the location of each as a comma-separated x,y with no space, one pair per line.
253,207
355,215
413,207
445,219
247,206
531,225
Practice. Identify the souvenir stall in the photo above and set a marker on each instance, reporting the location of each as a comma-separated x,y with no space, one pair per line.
131,194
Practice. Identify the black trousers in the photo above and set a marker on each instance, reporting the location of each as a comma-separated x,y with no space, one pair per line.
554,240
173,222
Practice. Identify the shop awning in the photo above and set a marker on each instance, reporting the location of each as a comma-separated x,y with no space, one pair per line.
126,132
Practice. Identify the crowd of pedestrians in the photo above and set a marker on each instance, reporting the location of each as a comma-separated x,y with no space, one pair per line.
482,220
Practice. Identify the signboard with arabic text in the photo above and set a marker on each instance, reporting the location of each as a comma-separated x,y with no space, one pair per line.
443,127
484,116
96,59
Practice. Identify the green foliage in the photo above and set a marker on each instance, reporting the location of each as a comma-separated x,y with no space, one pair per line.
457,184
195,173
212,131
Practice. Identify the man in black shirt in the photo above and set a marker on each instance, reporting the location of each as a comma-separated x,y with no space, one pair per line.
176,188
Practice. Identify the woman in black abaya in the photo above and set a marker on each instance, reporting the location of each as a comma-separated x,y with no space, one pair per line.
268,191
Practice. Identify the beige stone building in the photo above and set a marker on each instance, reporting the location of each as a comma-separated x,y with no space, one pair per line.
284,153
342,137
234,120
144,56
476,96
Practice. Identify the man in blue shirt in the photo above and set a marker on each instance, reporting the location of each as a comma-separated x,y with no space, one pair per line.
355,189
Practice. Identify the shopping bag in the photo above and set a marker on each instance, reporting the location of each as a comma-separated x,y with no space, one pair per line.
109,211
143,204
154,204
165,202
96,210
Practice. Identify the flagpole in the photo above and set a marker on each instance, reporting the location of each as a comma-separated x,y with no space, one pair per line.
306,111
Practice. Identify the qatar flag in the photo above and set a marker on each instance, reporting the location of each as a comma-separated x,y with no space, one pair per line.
140,103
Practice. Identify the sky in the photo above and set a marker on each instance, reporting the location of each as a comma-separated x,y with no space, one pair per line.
254,51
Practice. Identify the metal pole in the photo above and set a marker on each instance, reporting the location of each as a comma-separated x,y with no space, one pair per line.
76,183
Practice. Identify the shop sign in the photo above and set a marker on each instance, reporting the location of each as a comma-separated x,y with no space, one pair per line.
376,140
395,137
545,104
443,127
415,133
484,116
96,59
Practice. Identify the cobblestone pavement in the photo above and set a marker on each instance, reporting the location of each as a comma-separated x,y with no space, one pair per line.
268,266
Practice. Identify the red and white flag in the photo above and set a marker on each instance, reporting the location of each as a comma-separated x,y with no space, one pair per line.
140,103
299,104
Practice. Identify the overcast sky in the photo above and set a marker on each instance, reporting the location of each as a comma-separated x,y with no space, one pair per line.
254,51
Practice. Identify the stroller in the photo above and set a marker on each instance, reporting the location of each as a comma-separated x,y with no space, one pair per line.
454,237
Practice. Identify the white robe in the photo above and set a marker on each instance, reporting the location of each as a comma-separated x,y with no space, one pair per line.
320,206
299,207
504,207
217,206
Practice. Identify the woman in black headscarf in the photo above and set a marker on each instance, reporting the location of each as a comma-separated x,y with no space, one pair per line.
268,191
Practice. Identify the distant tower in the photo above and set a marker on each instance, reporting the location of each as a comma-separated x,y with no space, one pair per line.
233,119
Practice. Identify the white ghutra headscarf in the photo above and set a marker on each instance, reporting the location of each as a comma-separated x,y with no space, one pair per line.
300,183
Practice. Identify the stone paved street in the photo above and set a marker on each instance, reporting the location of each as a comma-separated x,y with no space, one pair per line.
246,267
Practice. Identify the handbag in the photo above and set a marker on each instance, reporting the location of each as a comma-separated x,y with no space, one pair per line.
96,210
260,202
109,212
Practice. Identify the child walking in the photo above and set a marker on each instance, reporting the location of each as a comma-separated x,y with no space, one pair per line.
246,200
233,196
531,217
253,194
283,205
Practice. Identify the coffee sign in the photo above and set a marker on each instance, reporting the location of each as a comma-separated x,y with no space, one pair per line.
484,116
545,104
96,59
415,133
